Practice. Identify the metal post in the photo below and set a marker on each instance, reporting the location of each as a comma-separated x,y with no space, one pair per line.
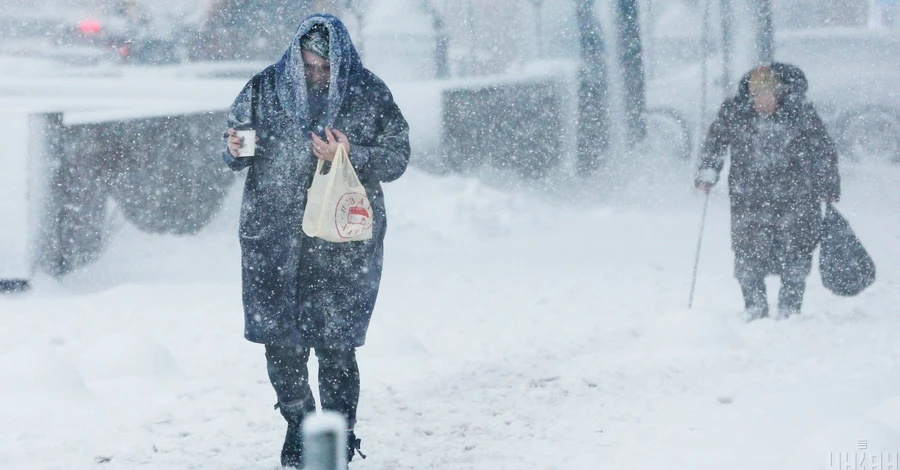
727,11
325,441
470,26
441,41
539,44
649,43
704,66
765,33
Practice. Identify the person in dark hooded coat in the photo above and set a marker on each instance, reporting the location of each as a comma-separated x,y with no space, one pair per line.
302,293
783,166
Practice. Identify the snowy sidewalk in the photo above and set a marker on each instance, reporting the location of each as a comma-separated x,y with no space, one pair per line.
502,339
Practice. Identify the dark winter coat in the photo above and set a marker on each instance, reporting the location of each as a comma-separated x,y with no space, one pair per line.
781,167
297,290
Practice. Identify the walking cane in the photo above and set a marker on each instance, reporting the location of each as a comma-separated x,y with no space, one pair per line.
697,257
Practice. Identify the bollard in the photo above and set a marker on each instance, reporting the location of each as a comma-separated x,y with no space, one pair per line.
325,441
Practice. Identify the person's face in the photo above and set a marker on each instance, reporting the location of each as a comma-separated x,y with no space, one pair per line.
764,94
318,70
765,102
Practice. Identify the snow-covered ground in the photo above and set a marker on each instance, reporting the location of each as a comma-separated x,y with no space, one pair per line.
517,327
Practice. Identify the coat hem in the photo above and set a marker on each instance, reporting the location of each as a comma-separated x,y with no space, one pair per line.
304,344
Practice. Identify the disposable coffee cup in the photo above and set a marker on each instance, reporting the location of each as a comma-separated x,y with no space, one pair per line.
248,149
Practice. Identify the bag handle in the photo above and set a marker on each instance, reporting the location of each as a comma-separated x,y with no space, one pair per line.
337,166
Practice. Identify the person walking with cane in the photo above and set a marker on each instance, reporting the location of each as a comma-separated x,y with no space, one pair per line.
783,166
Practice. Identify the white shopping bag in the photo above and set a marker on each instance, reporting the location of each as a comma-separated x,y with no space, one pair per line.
337,209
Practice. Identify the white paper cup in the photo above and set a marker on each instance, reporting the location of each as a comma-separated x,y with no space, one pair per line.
249,147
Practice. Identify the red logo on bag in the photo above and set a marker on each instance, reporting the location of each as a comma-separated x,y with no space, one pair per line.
353,215
357,215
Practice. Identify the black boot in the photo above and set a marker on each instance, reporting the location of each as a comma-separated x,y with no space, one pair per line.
353,446
292,450
790,297
756,304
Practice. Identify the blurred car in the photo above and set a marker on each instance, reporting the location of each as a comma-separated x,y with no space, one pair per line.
38,35
123,32
853,75
129,32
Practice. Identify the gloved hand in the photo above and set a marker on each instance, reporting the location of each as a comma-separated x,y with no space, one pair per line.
706,179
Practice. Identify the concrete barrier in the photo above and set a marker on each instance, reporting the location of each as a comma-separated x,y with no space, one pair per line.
164,173
514,125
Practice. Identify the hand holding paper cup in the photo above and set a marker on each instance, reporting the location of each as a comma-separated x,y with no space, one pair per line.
248,142
242,143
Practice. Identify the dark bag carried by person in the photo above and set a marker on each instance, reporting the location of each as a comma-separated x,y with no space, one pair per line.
846,267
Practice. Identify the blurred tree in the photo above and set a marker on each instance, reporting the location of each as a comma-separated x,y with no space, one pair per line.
593,102
631,59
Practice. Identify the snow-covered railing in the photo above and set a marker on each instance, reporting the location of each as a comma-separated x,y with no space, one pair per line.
74,148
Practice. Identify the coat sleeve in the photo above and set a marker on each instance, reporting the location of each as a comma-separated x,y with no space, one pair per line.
715,146
238,116
827,180
387,159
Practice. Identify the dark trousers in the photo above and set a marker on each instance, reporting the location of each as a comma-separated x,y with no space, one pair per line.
773,237
338,381
790,295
